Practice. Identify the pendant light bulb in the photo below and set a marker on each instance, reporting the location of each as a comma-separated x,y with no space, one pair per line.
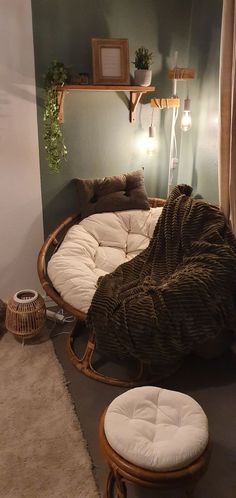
151,141
152,131
186,121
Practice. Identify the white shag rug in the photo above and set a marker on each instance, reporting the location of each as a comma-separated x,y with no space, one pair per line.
42,450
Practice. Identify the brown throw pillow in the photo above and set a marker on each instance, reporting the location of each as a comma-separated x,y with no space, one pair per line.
112,193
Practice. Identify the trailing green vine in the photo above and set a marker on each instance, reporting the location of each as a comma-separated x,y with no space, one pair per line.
56,150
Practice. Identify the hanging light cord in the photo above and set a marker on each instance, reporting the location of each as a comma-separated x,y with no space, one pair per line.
175,148
152,116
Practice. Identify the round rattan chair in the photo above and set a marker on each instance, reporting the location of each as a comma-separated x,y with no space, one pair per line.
83,364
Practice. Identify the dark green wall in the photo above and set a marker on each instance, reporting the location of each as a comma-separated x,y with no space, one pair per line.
98,135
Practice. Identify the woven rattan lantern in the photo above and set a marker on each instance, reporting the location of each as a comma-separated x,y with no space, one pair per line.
25,314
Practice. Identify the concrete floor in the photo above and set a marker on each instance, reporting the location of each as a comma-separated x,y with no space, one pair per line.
210,382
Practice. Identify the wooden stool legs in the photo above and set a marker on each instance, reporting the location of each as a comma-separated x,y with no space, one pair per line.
190,492
115,486
122,471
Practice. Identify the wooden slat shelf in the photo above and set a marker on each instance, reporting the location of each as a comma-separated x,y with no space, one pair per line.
112,88
135,94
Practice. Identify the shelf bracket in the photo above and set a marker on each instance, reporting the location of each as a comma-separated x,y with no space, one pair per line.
134,100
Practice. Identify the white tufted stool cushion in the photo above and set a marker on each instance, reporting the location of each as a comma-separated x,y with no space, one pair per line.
156,429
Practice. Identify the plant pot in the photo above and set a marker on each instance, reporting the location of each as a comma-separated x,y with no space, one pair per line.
142,77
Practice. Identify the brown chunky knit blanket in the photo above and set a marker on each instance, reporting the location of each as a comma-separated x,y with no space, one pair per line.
177,294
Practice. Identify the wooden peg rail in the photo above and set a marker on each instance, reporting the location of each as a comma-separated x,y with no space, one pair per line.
181,73
165,103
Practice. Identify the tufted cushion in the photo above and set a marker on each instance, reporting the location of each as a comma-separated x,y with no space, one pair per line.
112,193
156,429
96,246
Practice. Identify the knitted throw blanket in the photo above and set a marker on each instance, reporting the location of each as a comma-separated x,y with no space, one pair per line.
174,296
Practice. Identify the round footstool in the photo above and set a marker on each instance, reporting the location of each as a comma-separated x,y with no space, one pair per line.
156,438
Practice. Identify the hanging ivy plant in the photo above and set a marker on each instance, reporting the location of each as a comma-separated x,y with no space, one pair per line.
56,150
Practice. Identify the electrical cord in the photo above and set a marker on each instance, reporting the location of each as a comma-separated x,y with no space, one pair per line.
174,158
58,317
67,318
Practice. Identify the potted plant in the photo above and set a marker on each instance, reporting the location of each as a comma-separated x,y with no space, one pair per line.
143,61
57,74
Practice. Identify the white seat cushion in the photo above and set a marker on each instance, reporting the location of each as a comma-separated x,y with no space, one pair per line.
156,429
96,246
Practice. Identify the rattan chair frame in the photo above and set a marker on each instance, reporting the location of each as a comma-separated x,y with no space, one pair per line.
83,364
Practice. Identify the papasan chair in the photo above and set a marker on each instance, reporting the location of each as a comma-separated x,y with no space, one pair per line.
154,284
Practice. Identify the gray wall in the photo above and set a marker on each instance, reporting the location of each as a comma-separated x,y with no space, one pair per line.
98,135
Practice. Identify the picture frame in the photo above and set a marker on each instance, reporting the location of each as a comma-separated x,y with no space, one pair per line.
110,61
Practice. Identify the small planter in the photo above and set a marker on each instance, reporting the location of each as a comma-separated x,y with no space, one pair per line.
143,77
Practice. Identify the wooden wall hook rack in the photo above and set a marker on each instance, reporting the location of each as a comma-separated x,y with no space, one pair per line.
165,103
181,73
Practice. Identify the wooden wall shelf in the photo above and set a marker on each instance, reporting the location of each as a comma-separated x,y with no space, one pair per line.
136,93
